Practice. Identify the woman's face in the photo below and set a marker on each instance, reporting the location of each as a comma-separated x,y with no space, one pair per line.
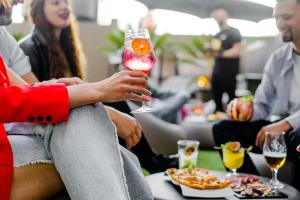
57,13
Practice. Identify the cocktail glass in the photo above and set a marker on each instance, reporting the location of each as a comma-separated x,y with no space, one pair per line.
139,55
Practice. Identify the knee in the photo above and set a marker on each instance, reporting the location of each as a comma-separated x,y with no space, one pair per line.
293,140
220,126
220,130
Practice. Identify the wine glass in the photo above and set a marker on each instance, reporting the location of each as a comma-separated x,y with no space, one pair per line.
275,152
233,160
139,55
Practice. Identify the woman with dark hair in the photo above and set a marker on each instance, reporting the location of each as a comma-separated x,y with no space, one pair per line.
53,47
54,50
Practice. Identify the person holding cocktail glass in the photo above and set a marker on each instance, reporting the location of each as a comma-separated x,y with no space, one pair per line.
276,106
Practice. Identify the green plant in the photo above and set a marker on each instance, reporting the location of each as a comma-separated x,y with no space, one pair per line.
116,40
193,50
18,36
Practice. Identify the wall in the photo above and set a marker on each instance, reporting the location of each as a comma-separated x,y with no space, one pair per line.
92,36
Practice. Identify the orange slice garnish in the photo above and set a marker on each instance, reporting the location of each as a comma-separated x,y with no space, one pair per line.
140,46
233,146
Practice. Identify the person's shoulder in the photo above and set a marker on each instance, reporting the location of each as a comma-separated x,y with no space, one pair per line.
27,42
282,52
3,30
278,58
4,34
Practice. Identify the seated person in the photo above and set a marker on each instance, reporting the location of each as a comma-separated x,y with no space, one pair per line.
277,95
84,159
54,51
168,102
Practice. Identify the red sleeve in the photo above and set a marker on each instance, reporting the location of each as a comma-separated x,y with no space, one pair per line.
38,104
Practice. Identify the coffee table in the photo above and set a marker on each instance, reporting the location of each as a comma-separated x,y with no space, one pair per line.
164,190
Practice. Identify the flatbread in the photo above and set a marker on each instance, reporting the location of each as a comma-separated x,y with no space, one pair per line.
197,178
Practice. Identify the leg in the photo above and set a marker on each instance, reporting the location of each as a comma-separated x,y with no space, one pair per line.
86,153
230,85
29,182
148,159
244,132
229,80
292,141
137,187
34,176
217,92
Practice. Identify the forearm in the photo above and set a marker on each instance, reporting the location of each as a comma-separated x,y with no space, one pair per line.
30,78
14,78
83,94
293,120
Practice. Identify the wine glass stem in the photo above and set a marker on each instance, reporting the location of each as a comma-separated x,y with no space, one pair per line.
144,105
274,175
234,172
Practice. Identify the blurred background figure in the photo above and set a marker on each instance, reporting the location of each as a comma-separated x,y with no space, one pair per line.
226,49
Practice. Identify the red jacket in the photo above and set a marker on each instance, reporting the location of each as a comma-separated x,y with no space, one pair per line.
38,104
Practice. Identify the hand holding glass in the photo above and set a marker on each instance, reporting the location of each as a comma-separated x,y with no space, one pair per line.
139,55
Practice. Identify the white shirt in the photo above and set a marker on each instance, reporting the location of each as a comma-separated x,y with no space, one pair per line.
12,54
294,101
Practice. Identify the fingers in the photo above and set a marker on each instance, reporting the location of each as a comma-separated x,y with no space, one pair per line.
234,110
249,116
135,136
137,74
136,97
229,109
129,143
260,138
5,3
138,89
298,148
70,81
78,80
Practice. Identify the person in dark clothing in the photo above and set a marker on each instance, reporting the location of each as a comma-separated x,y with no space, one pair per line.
47,50
276,105
226,59
149,160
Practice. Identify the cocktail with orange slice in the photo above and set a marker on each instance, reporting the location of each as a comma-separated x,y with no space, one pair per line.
233,156
139,55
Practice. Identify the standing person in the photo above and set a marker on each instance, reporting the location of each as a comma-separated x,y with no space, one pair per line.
277,95
226,59
112,171
54,50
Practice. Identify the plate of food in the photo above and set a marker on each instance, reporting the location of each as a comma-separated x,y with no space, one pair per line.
199,182
250,186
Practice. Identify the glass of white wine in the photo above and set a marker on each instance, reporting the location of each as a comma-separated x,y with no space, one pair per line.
275,152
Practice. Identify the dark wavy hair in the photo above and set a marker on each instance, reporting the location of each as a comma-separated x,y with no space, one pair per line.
65,56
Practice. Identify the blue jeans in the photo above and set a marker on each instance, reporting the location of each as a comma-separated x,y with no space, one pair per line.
89,159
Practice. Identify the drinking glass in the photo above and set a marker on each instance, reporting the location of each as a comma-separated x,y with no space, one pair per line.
188,153
233,160
139,55
275,152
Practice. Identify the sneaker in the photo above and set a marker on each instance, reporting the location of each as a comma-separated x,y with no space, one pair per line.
160,163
